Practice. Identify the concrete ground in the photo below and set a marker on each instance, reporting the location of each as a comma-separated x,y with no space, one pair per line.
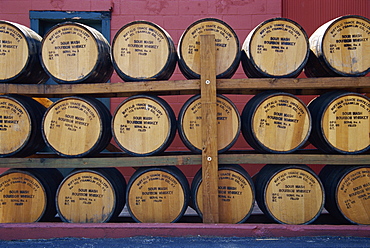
197,241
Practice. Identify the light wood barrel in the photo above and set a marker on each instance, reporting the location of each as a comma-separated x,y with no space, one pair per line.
276,122
157,195
20,126
144,125
340,122
289,194
235,194
72,52
19,55
91,195
77,126
190,123
227,48
338,48
347,192
143,51
277,47
28,195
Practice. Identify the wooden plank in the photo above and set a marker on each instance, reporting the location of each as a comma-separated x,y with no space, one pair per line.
298,86
125,89
294,158
97,162
109,160
209,129
184,87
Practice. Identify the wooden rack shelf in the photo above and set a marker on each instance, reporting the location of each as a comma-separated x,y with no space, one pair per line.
299,86
180,159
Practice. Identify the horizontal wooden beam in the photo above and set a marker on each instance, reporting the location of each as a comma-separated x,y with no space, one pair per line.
298,86
44,162
295,158
184,159
250,86
104,89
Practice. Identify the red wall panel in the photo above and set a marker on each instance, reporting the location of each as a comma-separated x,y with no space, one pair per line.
311,14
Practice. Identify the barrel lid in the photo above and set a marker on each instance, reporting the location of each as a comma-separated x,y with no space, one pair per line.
86,195
227,48
235,190
190,119
16,124
73,126
157,194
15,52
350,112
277,47
351,191
69,52
340,44
276,122
22,182
290,194
135,48
143,125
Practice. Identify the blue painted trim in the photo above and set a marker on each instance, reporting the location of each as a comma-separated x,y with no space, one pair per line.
103,16
53,15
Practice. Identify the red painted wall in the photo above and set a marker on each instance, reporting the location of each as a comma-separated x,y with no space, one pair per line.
311,14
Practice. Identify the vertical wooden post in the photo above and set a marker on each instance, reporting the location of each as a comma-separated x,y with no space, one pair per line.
209,129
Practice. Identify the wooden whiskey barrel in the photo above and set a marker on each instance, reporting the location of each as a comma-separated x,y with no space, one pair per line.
77,126
340,122
157,194
19,55
28,195
235,194
338,48
289,194
190,123
347,194
144,125
276,122
91,195
20,126
277,47
143,51
227,48
72,52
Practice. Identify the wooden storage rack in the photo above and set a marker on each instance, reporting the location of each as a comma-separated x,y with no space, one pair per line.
207,86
